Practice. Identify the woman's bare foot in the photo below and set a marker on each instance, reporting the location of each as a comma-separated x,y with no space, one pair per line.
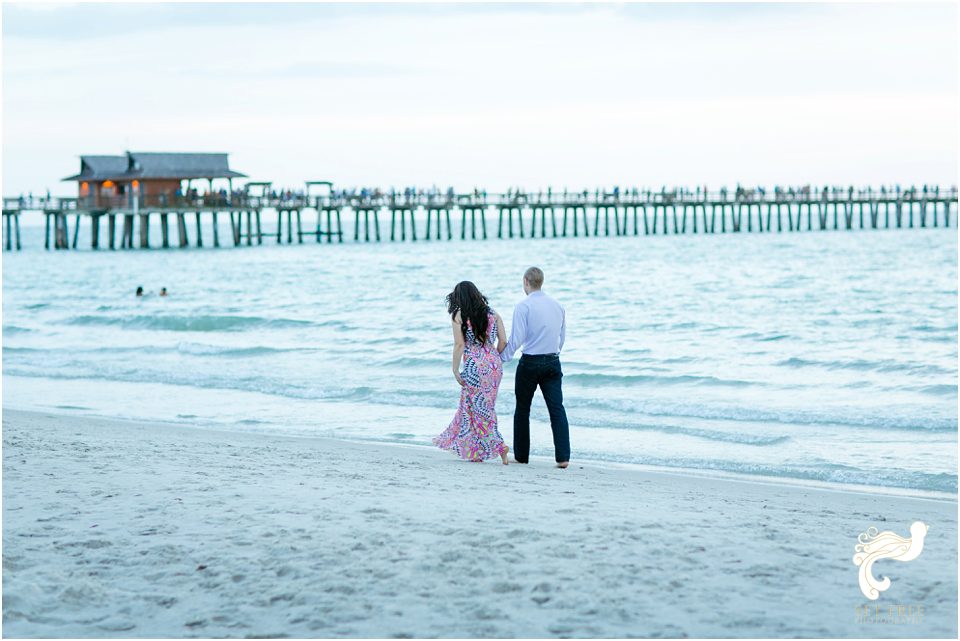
503,454
563,464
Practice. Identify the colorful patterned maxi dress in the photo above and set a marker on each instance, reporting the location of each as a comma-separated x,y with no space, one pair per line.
473,433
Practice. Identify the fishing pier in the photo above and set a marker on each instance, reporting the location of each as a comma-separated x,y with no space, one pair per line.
129,201
240,220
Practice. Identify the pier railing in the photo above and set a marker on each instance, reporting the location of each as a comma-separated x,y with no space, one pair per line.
123,203
592,198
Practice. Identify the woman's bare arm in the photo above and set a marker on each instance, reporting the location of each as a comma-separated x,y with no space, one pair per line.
501,334
458,346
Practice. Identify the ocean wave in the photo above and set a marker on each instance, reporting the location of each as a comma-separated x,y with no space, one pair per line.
937,390
888,365
934,328
199,323
194,349
742,438
719,411
201,349
14,329
598,380
764,337
824,472
416,361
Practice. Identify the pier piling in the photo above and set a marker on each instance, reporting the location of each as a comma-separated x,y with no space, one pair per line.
144,231
164,231
199,230
95,231
182,230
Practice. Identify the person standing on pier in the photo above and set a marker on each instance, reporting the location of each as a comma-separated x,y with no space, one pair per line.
539,326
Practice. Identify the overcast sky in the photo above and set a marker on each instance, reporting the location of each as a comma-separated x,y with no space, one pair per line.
489,95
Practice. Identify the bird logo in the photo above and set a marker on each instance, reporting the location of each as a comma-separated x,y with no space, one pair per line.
874,546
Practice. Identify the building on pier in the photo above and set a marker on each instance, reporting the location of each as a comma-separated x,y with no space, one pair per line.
149,178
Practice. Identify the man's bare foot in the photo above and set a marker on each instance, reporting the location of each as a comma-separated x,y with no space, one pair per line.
563,464
503,454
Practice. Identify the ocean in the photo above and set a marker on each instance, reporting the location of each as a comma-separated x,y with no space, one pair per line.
823,357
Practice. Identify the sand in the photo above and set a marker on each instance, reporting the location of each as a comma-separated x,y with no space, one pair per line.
122,529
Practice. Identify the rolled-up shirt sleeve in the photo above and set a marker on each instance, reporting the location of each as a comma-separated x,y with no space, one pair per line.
518,330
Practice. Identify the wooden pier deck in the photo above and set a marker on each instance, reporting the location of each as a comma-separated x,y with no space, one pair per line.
477,216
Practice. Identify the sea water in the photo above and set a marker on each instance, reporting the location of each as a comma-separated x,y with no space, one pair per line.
823,356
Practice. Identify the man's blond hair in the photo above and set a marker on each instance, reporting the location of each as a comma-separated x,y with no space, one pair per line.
534,276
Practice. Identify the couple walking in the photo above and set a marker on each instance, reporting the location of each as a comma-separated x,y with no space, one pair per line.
480,344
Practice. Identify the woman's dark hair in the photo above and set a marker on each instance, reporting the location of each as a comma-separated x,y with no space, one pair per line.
472,305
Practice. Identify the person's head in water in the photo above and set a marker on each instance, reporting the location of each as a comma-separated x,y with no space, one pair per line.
532,280
139,291
472,305
163,291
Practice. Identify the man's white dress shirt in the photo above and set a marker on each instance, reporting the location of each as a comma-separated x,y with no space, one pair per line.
539,326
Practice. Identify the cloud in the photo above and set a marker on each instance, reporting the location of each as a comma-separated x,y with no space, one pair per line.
305,70
478,93
83,21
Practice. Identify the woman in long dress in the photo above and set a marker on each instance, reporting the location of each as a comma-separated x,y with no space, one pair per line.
478,339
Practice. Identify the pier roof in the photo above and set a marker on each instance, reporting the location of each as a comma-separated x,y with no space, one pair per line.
91,167
146,165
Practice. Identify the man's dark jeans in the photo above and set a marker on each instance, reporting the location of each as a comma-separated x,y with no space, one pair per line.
543,370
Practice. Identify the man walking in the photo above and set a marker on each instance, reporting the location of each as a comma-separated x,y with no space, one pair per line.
539,326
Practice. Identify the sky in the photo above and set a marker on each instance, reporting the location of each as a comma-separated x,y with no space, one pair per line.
488,95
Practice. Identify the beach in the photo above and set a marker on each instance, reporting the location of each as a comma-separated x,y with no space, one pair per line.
136,529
